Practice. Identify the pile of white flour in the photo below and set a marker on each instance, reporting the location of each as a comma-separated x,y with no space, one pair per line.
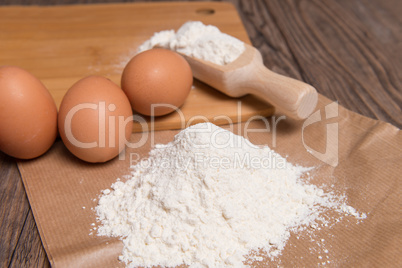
207,199
199,41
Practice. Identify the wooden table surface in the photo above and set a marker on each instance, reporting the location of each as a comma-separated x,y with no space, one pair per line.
349,50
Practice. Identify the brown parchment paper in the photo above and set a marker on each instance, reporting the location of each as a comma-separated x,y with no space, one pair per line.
62,191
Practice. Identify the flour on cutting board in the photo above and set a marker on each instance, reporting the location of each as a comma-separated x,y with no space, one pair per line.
208,199
193,38
200,41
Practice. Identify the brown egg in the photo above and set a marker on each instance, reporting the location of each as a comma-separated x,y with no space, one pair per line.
157,81
28,114
95,119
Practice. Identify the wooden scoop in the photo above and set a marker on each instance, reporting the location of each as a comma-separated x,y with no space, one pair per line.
247,74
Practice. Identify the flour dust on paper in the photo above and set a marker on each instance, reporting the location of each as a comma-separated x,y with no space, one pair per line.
208,199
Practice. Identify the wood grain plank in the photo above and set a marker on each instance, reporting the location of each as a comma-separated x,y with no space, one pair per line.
336,53
266,36
72,42
30,253
14,208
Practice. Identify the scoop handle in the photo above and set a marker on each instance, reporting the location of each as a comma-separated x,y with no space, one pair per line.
292,97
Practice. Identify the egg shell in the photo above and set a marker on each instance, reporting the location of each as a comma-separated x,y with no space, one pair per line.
157,77
95,119
28,114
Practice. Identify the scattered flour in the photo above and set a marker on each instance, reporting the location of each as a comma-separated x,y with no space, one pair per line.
352,211
208,199
199,41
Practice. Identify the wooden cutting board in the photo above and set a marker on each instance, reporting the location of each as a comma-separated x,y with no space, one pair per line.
62,44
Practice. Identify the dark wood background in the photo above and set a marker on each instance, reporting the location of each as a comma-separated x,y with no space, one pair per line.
349,50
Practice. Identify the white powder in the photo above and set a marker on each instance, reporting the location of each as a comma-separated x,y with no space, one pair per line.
199,41
352,211
207,199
